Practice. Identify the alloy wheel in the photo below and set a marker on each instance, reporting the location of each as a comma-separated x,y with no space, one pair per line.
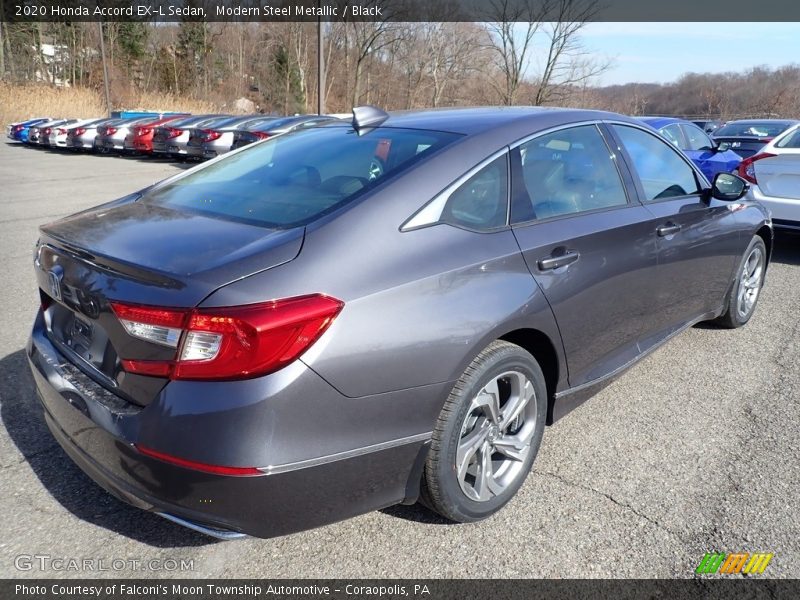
750,282
495,437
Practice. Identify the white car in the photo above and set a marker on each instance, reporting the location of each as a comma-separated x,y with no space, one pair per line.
774,176
58,135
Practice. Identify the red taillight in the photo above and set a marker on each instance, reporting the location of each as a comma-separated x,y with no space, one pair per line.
209,135
172,132
47,131
260,135
61,131
746,169
198,466
228,343
19,128
79,131
111,130
140,131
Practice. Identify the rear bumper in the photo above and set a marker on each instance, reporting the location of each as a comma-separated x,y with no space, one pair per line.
785,211
299,489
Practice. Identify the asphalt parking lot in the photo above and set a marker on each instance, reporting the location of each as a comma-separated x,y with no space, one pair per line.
694,450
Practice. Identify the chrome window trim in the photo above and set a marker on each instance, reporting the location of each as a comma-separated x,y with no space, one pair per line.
431,213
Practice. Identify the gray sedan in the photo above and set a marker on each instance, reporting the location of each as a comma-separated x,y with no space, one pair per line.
359,315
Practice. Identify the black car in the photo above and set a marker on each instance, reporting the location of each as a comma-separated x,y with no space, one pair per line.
748,137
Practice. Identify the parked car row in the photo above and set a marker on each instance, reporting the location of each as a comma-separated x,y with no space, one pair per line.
172,135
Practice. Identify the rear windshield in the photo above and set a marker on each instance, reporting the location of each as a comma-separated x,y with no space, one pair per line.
291,180
791,140
753,128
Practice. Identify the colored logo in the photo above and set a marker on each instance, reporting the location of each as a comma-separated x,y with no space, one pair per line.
733,563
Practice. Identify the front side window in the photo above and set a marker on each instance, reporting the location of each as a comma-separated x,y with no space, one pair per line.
568,171
662,171
289,181
696,138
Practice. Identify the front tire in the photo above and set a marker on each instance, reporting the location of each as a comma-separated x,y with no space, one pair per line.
487,435
746,288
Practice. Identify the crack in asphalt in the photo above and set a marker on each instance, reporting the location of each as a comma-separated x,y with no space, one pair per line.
608,496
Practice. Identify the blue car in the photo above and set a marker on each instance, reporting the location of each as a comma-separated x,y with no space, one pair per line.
19,131
711,157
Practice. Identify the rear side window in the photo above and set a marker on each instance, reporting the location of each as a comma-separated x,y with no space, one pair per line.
565,172
662,171
792,140
291,180
481,202
673,134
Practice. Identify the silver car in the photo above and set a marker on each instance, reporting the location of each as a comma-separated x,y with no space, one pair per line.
83,136
218,133
111,136
58,134
774,176
40,134
172,139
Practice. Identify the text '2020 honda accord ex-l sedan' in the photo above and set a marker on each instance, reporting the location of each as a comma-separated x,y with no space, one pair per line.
369,313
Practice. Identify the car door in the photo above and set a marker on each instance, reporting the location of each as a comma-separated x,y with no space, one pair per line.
704,153
697,235
590,249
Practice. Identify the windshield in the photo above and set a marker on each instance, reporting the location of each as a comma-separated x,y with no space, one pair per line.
753,128
291,180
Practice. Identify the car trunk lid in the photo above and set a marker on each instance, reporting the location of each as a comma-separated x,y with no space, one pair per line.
779,176
141,255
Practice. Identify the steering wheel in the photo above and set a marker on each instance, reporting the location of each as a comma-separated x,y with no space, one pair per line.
375,169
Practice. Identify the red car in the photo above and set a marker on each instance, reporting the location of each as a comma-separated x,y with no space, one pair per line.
140,139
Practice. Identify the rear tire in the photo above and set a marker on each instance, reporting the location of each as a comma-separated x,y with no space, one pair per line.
487,435
746,287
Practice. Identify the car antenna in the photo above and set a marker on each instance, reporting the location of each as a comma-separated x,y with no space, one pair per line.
367,117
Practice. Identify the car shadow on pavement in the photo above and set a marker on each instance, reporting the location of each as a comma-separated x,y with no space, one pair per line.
22,418
787,248
417,513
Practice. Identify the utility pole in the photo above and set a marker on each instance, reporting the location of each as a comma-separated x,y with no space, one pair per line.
105,68
320,65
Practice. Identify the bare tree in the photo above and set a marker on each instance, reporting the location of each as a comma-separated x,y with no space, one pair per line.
512,27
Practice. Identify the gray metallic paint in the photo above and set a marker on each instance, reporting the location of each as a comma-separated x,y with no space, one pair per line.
343,429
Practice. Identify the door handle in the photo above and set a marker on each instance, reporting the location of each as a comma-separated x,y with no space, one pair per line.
668,229
554,261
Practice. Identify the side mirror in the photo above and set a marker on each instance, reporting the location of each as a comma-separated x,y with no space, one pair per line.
729,187
723,146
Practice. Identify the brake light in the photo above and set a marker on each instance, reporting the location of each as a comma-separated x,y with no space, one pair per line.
260,135
209,135
236,342
172,132
140,131
61,131
47,131
746,169
18,128
111,130
79,131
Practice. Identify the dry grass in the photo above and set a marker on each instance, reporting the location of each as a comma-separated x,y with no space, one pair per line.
19,102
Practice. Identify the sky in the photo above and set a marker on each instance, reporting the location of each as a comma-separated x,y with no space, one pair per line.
662,52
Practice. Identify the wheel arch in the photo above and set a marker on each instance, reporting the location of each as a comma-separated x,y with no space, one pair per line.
541,347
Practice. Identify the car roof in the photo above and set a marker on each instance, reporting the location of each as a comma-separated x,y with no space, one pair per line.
480,120
659,122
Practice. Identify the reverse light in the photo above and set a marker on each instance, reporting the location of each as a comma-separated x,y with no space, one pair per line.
236,342
746,169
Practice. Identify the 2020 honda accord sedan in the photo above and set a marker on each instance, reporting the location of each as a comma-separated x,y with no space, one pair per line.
359,315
